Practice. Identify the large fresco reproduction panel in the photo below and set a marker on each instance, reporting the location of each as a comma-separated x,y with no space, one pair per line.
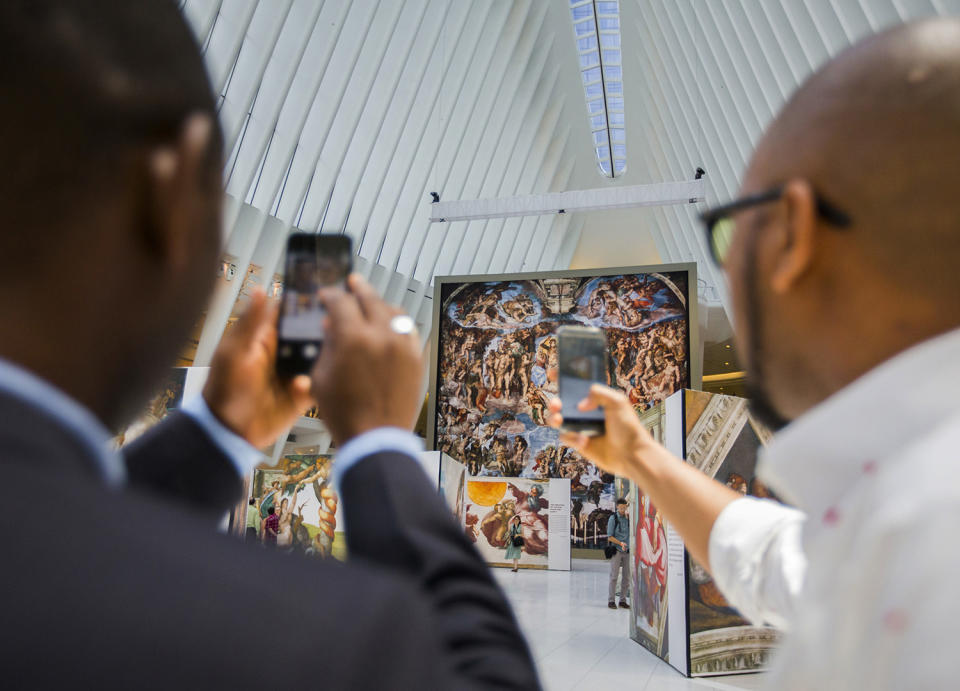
497,356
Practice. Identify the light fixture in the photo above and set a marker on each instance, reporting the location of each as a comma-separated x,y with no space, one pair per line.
596,29
571,201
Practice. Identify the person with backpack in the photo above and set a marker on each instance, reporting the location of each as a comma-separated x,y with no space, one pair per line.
618,537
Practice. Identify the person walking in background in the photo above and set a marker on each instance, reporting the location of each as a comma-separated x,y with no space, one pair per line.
252,531
271,527
515,535
618,535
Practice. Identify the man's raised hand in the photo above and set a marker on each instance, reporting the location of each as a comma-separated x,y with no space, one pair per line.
624,439
367,375
243,390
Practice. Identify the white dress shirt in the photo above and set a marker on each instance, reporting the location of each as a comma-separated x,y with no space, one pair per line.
865,576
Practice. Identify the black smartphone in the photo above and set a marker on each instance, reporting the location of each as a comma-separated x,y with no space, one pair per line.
313,262
582,362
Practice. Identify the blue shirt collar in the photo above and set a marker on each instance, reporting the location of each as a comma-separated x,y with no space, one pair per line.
81,422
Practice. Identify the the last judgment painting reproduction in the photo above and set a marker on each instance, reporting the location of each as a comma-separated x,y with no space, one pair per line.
497,363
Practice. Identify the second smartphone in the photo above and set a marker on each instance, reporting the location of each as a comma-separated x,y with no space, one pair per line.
582,362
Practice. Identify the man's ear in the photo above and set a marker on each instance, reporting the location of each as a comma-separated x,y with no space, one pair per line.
176,192
795,252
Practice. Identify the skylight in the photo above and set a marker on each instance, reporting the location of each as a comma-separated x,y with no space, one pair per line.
596,29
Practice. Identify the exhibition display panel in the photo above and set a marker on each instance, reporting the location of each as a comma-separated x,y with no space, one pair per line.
300,490
494,369
677,612
484,507
181,383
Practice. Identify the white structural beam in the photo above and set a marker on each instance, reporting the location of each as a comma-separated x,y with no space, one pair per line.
657,194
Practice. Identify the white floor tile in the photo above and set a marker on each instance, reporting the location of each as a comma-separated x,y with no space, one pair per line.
581,645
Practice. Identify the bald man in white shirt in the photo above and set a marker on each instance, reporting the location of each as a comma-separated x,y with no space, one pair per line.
842,256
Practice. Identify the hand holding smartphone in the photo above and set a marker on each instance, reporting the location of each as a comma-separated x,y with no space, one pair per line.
314,261
582,356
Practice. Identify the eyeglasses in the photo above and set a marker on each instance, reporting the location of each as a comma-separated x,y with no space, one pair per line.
719,223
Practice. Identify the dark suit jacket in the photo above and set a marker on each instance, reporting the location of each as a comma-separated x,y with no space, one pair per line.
132,588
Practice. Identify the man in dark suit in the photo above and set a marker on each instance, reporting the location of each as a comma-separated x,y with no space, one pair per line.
111,199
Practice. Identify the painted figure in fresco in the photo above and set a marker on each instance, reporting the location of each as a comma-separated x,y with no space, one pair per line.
534,523
523,371
537,400
737,483
519,457
159,405
500,449
760,490
299,472
326,519
653,561
473,455
504,373
707,591
269,499
494,524
477,391
485,311
300,536
286,533
514,310
545,464
470,524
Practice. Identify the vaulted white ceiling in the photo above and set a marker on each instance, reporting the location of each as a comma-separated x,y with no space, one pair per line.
343,116
703,78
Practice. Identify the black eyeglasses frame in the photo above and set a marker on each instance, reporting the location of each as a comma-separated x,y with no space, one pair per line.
825,210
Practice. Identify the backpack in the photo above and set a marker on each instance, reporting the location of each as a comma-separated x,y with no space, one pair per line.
610,550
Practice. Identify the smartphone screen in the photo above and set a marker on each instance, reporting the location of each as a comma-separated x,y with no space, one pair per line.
582,355
313,262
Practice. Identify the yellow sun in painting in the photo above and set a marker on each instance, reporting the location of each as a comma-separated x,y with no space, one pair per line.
486,493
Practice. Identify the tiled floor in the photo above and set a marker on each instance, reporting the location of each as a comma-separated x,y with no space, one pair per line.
581,644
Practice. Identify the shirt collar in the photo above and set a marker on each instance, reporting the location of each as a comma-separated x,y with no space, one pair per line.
83,424
815,460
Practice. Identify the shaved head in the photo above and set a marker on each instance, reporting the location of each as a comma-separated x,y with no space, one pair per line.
877,132
874,133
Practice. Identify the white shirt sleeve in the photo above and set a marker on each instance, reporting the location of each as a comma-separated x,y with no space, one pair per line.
757,559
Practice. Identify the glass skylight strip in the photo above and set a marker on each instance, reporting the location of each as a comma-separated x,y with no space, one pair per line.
587,43
596,27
